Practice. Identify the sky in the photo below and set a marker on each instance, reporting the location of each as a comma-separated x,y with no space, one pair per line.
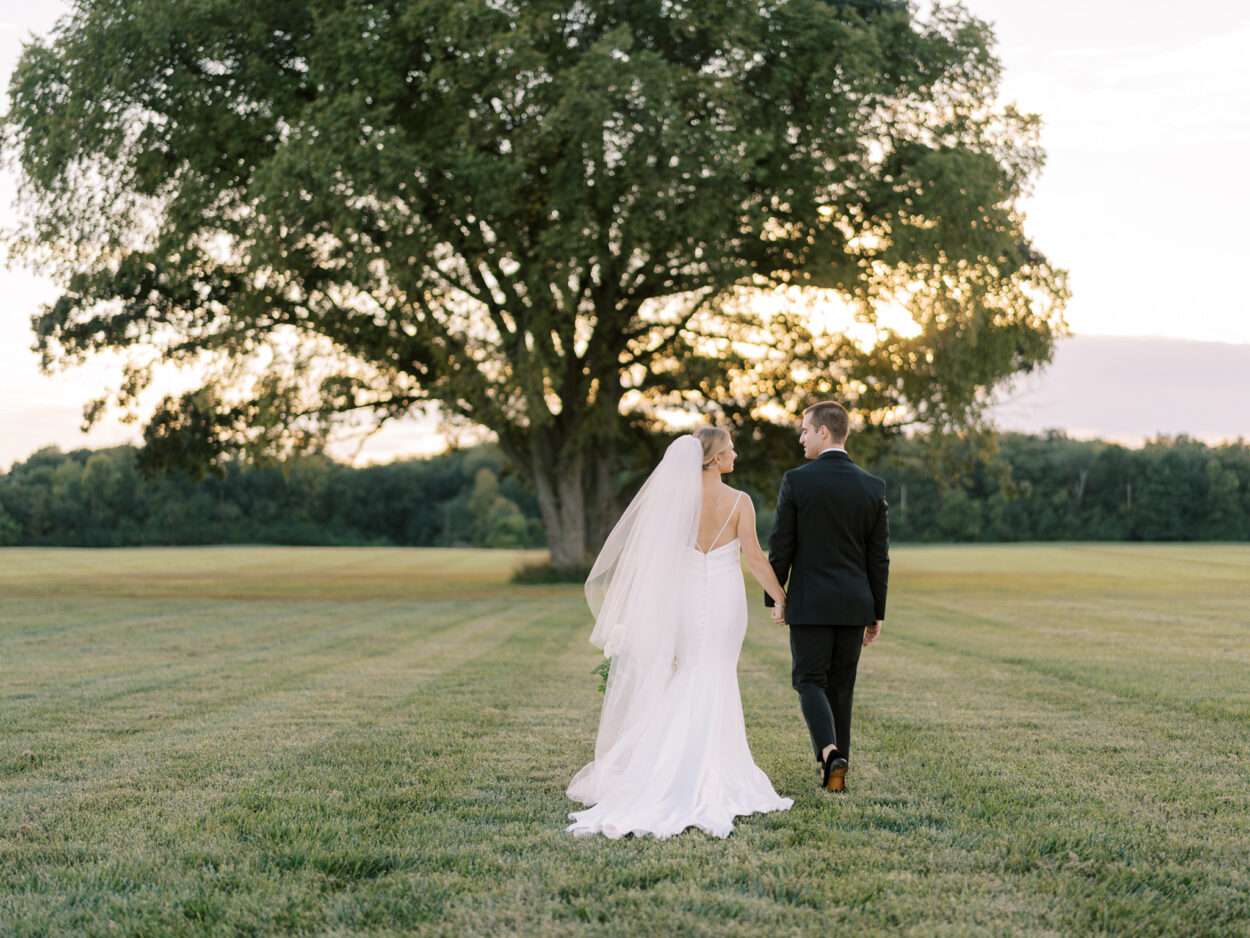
1146,121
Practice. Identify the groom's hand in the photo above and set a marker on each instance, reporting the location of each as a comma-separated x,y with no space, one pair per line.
871,632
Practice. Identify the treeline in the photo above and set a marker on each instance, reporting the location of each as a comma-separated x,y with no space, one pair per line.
1024,488
1051,488
100,498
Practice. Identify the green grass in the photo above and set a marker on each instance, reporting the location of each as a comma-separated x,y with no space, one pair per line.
244,741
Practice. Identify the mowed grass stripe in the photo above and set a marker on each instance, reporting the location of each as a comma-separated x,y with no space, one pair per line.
987,798
1085,794
113,871
491,808
1180,677
259,574
1148,755
196,641
286,684
1045,737
1155,773
202,650
1207,559
778,872
751,900
274,807
960,784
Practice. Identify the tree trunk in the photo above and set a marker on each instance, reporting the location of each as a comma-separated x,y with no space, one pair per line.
577,503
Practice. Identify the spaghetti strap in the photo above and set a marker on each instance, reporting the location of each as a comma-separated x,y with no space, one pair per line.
732,509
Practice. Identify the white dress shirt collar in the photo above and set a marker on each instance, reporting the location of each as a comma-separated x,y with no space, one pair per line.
831,449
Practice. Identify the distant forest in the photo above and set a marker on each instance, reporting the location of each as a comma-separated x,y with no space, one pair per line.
1023,488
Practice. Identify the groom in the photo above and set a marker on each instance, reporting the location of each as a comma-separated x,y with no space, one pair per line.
831,540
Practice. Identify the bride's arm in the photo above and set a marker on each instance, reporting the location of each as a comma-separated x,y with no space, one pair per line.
757,560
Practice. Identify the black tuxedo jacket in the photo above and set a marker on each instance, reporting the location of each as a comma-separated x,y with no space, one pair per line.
831,541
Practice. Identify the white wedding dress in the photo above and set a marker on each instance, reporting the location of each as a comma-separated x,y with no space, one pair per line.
672,749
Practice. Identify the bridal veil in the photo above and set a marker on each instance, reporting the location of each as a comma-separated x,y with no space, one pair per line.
639,593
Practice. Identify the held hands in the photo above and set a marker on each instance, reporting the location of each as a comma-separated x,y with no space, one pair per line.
871,632
779,613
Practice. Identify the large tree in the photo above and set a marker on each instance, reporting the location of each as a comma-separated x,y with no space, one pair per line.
548,219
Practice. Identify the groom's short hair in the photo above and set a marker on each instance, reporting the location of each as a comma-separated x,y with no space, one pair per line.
832,416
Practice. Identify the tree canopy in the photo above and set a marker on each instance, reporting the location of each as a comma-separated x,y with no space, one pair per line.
549,219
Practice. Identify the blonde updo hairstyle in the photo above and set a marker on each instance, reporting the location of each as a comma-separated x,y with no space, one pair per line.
715,441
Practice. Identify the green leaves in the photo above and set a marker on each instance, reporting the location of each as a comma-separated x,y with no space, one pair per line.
538,215
601,671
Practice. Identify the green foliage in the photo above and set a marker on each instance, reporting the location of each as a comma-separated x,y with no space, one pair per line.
10,530
102,499
1044,488
546,218
602,670
1017,488
497,521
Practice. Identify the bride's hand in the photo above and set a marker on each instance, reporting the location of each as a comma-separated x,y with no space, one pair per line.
779,613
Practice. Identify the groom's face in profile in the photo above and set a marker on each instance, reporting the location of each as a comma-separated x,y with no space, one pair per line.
811,439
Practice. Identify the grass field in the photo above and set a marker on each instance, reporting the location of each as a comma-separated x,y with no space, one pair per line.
247,741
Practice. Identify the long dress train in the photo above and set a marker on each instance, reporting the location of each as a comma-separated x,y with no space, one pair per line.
692,766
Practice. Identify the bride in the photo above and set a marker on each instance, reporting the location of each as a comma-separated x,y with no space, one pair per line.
670,611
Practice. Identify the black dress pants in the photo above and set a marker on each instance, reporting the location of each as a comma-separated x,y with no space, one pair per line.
826,658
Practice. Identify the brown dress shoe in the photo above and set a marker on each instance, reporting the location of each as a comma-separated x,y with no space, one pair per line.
833,774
